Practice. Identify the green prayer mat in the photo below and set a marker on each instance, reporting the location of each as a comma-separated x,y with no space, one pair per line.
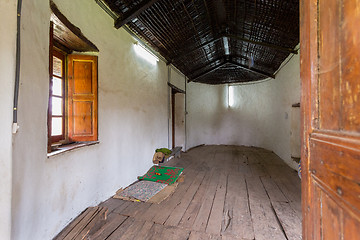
162,174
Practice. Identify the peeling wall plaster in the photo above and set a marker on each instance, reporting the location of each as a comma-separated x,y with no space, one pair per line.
260,115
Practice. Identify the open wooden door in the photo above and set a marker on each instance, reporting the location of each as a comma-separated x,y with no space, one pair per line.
330,73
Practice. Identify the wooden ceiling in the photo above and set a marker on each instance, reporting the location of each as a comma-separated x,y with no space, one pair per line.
215,41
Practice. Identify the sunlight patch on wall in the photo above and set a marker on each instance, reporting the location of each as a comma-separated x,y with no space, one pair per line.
145,54
231,100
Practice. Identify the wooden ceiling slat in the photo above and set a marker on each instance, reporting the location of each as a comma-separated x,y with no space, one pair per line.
251,69
284,49
207,72
133,13
190,51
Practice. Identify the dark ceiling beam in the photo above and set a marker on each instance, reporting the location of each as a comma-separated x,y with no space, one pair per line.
251,69
207,65
133,13
206,72
186,52
269,45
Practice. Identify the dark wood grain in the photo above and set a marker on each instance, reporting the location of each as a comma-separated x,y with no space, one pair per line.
180,209
112,223
194,207
237,220
201,220
111,204
73,224
216,214
121,229
264,220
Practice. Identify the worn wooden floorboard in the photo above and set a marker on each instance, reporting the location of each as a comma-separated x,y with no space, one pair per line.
229,192
202,217
179,210
155,232
217,209
121,229
288,219
78,229
144,231
192,211
291,193
272,189
131,232
111,204
174,233
169,204
237,220
122,207
112,223
203,236
70,227
263,217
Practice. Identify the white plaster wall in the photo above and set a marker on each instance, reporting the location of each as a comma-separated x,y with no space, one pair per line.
177,79
260,116
133,111
7,79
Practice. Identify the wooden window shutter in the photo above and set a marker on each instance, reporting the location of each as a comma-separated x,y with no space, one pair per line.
82,98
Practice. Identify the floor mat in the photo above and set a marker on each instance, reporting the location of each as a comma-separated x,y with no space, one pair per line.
142,191
161,174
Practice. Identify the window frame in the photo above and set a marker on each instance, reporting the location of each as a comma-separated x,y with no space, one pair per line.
53,139
61,45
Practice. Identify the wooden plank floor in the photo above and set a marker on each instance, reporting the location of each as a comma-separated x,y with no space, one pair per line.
229,192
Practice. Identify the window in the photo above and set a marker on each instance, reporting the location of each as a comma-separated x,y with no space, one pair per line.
73,99
72,112
57,98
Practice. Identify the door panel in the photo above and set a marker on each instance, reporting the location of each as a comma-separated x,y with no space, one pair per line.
351,226
350,64
314,227
83,73
330,73
329,68
83,118
331,218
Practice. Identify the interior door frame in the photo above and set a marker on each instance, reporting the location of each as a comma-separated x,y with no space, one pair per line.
173,102
174,91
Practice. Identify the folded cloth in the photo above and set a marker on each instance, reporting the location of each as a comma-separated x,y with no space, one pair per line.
166,151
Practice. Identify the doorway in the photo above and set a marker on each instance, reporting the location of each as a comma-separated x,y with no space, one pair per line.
177,117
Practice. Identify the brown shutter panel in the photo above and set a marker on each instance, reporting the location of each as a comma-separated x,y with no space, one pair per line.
82,93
